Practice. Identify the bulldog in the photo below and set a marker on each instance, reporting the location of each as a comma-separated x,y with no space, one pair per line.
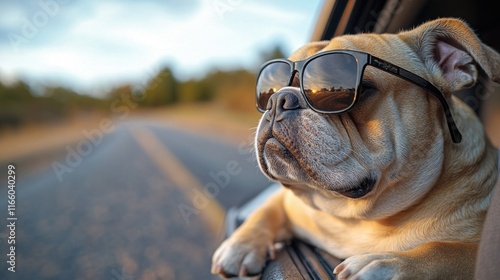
380,164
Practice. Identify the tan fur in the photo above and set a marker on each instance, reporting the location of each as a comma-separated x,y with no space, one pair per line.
424,216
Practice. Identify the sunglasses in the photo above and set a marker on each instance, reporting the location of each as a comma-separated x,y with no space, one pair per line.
331,82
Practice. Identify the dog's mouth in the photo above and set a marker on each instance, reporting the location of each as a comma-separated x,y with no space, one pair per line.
276,154
360,190
274,157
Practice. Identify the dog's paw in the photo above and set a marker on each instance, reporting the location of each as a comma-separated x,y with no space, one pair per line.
372,266
242,257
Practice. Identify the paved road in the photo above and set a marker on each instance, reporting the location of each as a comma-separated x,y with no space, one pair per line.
144,202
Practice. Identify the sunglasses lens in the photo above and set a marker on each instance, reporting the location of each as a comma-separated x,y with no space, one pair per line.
329,82
271,78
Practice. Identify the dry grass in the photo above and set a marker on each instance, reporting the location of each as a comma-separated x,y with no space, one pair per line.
209,120
33,139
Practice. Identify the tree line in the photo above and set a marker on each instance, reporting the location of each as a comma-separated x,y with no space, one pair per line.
232,90
19,104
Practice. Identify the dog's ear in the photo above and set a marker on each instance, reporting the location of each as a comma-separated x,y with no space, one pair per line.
450,51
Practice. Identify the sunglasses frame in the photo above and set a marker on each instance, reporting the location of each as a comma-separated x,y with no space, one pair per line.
363,59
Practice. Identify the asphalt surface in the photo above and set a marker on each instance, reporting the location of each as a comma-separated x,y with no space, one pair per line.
146,201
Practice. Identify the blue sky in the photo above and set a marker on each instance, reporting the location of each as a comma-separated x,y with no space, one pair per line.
93,44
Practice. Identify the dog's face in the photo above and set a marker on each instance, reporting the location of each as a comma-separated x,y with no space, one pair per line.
385,175
384,154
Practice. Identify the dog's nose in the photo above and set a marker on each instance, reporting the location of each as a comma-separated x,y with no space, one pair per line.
285,100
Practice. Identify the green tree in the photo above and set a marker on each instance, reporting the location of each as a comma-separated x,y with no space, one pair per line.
162,89
12,101
196,91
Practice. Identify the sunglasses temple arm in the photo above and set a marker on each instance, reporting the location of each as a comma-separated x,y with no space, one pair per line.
456,136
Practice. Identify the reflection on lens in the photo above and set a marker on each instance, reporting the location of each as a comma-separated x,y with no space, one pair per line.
330,82
273,77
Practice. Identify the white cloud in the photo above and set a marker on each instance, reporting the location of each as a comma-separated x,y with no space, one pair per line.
120,40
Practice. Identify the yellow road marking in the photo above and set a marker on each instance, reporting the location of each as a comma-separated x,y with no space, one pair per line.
212,213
